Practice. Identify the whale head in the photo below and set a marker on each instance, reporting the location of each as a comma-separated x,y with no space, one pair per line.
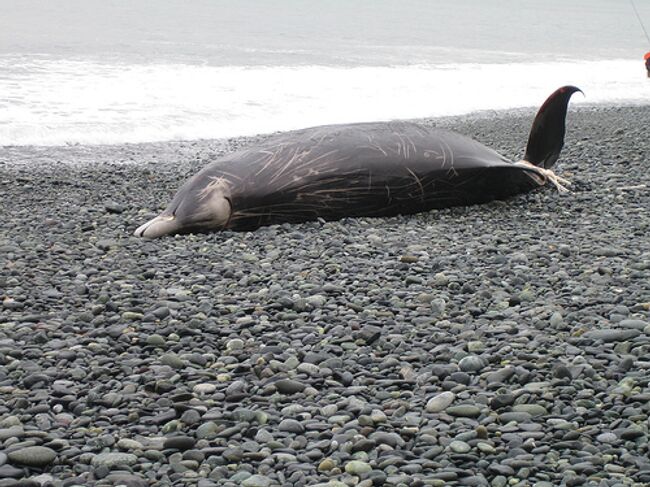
201,205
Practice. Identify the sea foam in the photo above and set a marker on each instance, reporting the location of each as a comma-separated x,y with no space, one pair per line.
57,102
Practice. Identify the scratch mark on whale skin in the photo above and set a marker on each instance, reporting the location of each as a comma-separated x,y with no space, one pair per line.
365,169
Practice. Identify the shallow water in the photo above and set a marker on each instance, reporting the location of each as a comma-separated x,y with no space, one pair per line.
110,72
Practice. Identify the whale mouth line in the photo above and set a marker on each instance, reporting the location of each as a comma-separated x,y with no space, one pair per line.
157,227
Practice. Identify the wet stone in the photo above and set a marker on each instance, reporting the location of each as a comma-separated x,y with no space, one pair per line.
289,386
459,446
532,409
179,443
464,410
472,363
609,335
10,472
32,456
440,402
112,459
291,425
356,467
256,481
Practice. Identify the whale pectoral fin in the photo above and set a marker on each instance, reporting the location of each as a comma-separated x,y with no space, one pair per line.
546,137
542,176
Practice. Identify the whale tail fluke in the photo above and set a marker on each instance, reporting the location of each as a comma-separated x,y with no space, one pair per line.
546,137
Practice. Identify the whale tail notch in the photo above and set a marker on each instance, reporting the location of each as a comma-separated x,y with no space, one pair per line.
546,137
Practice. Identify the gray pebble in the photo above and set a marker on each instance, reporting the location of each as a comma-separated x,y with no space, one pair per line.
440,402
289,386
32,456
291,425
112,459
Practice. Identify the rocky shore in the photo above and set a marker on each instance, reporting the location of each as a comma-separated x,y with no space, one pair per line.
506,344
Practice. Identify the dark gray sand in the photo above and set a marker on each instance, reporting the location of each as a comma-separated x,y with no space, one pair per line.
504,344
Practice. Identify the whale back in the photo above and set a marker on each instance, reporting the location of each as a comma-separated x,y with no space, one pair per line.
366,169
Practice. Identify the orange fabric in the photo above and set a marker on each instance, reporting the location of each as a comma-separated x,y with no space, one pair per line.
647,55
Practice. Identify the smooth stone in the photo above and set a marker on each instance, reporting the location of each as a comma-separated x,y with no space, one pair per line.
256,481
126,480
42,479
179,442
316,301
235,344
34,379
161,312
440,279
291,425
518,417
502,400
32,456
502,375
471,363
357,467
10,421
632,433
239,477
112,459
369,334
387,438
440,402
173,360
128,444
532,409
485,447
608,335
132,316
378,416
106,244
11,472
607,437
459,446
556,319
635,324
288,386
438,306
114,207
263,436
561,424
154,455
326,465
207,430
204,388
309,369
156,340
474,346
464,410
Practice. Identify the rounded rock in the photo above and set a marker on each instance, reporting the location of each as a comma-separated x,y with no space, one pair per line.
440,402
464,410
111,459
458,446
181,443
256,481
32,456
357,467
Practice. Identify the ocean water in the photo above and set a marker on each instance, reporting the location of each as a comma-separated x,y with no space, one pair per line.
100,71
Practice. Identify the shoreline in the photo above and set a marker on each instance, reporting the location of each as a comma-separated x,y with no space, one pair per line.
492,345
446,120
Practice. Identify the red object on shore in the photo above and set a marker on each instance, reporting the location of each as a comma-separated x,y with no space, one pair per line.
646,56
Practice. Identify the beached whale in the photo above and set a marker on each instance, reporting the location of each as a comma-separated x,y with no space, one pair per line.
364,169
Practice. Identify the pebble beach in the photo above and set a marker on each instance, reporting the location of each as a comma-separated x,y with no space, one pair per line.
506,344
